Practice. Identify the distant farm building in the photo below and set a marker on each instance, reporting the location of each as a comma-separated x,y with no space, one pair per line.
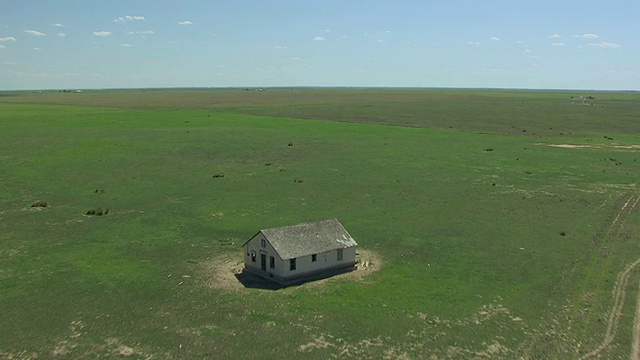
297,253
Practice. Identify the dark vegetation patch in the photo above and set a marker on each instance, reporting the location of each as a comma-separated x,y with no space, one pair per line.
39,204
97,212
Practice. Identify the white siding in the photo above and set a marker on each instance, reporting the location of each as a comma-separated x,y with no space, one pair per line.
324,261
255,245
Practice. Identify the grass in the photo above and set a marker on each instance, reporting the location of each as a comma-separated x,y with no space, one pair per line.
474,259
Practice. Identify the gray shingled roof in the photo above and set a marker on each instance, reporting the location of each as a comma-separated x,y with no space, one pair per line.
308,238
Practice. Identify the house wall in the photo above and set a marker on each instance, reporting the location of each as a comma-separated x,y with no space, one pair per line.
255,245
325,262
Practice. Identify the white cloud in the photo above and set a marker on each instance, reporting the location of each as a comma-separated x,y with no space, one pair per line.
35,33
555,36
558,44
129,18
8,38
605,44
127,45
519,41
589,36
102,33
2,46
319,38
296,58
146,32
185,22
37,49
278,47
9,63
473,43
494,38
61,35
59,25
527,51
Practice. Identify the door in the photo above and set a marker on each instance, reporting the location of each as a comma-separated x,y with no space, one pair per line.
263,261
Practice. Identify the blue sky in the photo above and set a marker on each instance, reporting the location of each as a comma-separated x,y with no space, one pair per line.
47,44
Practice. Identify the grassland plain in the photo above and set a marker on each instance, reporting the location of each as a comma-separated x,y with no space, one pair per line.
495,244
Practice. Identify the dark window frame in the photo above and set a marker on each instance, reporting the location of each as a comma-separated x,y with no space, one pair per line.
314,257
340,255
272,262
292,264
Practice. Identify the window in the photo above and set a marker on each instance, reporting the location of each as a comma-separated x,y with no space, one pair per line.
340,255
292,264
272,262
263,243
314,258
253,256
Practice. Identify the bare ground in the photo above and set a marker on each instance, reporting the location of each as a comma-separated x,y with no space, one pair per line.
595,146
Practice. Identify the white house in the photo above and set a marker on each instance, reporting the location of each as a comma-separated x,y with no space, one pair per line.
293,254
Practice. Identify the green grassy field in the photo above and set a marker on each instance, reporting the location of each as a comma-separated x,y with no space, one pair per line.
494,244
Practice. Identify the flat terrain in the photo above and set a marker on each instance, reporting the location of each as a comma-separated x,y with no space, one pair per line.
506,223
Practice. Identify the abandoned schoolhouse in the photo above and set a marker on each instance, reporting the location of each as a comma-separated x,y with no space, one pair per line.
297,253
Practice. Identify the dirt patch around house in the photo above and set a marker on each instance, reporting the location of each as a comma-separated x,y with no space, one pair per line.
225,272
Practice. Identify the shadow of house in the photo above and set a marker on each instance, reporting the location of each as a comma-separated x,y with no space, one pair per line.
296,254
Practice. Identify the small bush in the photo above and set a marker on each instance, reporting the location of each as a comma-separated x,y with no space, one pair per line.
40,204
220,175
97,212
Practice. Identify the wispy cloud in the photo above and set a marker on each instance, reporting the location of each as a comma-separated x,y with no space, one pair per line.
319,38
495,38
35,33
555,36
61,35
9,63
586,36
126,45
2,46
185,22
146,32
473,43
558,44
59,25
129,18
8,38
102,33
37,49
279,47
605,44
